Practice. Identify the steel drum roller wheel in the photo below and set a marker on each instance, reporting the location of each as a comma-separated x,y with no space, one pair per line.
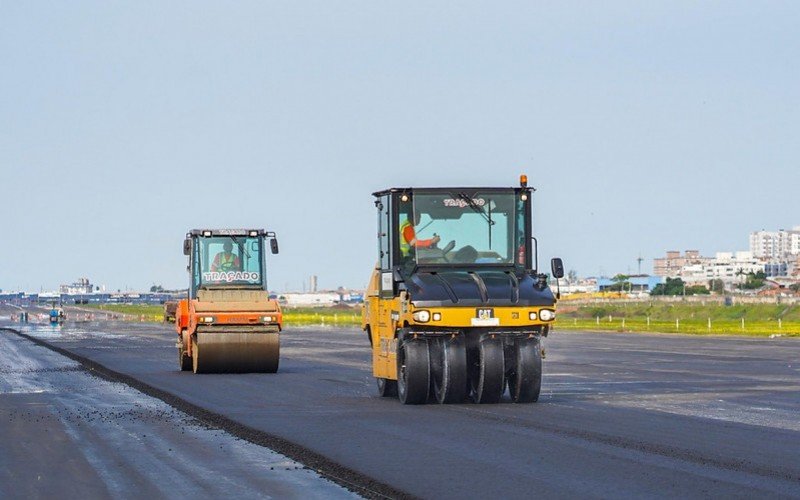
195,356
235,352
184,361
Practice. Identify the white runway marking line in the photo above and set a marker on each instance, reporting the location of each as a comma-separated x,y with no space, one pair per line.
689,405
672,383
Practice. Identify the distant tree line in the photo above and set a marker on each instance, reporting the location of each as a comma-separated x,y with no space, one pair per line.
621,283
161,289
676,286
753,281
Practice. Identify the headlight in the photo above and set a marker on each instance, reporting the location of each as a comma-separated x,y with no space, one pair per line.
207,319
437,316
421,316
266,319
532,316
547,314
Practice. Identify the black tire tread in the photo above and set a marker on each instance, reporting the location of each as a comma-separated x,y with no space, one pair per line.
450,377
489,375
413,372
525,379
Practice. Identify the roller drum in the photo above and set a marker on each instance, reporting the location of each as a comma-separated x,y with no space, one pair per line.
236,352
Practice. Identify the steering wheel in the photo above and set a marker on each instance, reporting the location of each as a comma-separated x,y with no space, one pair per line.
448,247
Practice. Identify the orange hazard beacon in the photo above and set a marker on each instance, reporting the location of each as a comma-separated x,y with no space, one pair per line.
228,323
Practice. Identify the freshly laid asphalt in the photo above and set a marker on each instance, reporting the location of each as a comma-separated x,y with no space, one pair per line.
621,415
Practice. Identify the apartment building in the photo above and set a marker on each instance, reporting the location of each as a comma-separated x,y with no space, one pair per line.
730,267
778,245
672,265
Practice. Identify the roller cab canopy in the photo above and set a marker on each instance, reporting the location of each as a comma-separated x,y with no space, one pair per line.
227,258
459,246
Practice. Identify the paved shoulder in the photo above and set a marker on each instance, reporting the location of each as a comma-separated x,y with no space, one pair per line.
66,433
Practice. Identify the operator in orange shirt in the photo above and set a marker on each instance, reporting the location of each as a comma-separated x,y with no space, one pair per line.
408,237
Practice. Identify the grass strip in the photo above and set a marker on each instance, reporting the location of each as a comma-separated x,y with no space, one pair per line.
294,316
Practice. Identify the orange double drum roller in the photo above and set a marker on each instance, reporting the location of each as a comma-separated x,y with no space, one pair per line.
228,322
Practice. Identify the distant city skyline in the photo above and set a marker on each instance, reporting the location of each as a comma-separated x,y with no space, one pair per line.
671,265
645,127
309,283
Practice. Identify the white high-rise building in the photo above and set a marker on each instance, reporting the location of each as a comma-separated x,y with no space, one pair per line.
794,242
775,245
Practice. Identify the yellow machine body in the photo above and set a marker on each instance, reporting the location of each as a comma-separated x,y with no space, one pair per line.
382,318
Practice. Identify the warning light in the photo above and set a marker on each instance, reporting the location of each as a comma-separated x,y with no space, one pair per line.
523,180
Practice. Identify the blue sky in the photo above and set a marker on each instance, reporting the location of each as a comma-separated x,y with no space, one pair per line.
645,126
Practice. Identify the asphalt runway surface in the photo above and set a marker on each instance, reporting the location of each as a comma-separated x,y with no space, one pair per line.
621,415
68,434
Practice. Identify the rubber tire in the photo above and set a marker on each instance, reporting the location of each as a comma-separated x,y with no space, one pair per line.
525,379
387,388
413,372
184,361
488,375
449,373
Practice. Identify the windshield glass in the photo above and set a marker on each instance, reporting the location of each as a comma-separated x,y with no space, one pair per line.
230,260
463,228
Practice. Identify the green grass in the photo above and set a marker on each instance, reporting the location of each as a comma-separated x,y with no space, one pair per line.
298,316
759,319
148,312
322,316
722,327
693,318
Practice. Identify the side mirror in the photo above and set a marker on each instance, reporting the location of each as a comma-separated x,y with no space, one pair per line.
273,245
557,267
187,246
